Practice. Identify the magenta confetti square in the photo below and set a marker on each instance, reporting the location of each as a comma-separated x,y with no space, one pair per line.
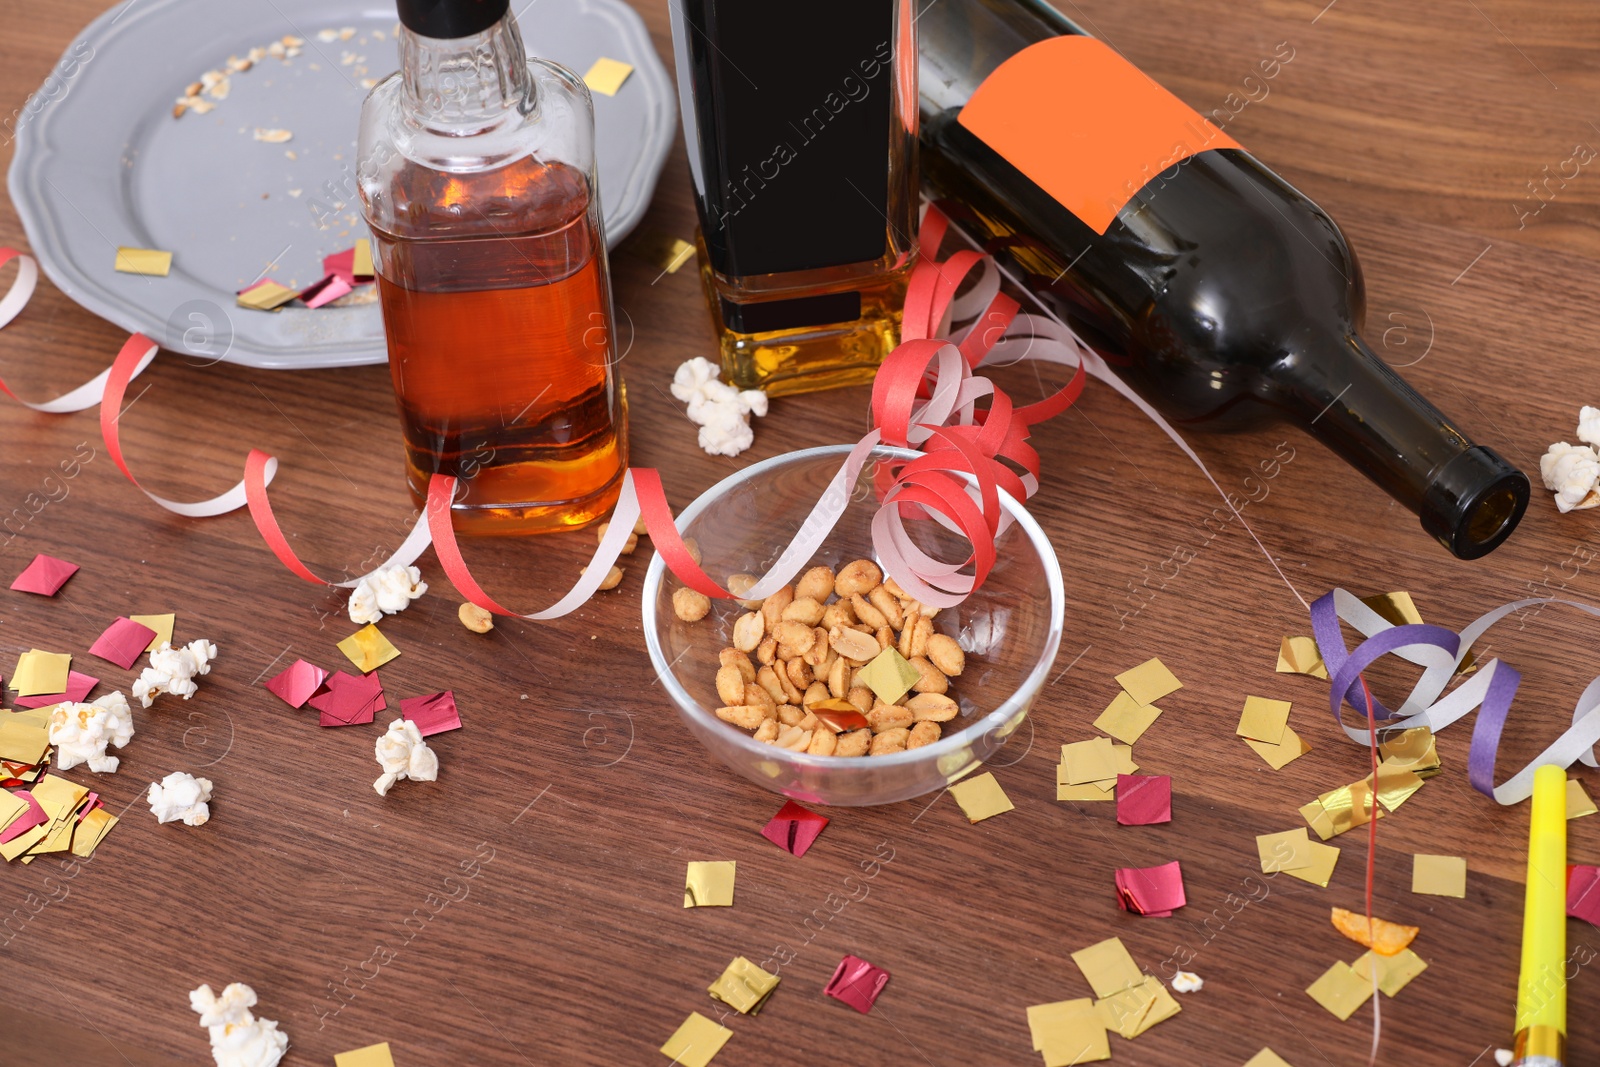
329,289
1144,799
78,687
1583,893
297,683
857,983
349,699
794,828
123,642
1152,891
27,820
90,802
45,575
433,714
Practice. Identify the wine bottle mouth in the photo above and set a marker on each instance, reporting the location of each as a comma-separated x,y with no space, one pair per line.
1475,502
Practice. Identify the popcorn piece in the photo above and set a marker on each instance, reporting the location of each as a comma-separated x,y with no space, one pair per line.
385,592
1571,471
172,670
274,136
721,411
1188,982
81,732
1589,425
1504,1057
402,753
183,796
238,1038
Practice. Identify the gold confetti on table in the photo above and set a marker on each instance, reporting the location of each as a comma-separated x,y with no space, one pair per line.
1135,1010
1320,870
1149,681
1439,876
1394,972
1289,850
1088,761
606,76
1299,655
1267,1058
23,741
744,987
709,884
1069,1032
1263,720
371,1056
40,672
1340,810
981,797
361,260
661,250
1578,802
266,296
696,1041
143,261
1126,719
1123,754
161,624
1396,608
92,829
890,676
368,649
1341,990
1089,791
1108,967
1285,752
1414,750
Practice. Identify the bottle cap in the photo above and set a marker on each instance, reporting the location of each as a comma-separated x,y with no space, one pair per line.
1474,502
450,19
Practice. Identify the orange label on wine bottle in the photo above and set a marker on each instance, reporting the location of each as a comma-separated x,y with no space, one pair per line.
1085,125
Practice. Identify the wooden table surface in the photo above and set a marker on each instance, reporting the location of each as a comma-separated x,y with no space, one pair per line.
525,908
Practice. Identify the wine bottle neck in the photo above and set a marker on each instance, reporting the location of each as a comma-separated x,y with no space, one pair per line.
465,85
1468,497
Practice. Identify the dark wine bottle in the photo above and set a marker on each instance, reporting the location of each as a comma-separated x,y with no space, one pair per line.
1220,292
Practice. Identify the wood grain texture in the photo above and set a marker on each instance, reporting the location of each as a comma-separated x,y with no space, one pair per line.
526,908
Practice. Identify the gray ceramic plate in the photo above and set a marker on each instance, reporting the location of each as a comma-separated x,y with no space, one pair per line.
101,162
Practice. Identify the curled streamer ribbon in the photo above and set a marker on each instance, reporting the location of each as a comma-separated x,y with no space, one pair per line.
1440,653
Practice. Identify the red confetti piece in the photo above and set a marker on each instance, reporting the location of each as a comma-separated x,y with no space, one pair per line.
840,721
123,642
343,265
325,291
91,802
349,699
297,683
857,983
27,820
1144,799
794,828
433,714
1583,893
45,575
1152,891
78,687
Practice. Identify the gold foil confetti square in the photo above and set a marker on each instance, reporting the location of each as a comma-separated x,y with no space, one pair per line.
1341,990
91,831
1088,761
1286,851
696,1041
1126,719
1088,791
1349,806
1413,749
1394,972
361,261
1267,1058
143,261
1069,1032
890,676
1299,655
1285,752
10,808
1439,876
371,1056
368,649
40,672
709,884
981,797
266,296
1395,785
1133,1011
1263,720
23,742
1124,757
1149,681
661,250
744,987
1320,870
23,841
1317,817
161,624
607,75
1108,967
1578,802
1394,607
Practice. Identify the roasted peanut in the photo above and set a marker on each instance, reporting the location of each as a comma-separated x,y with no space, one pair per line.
888,717
613,579
732,657
691,605
795,638
742,715
923,733
932,707
693,548
800,673
475,618
946,655
857,578
868,614
638,526
730,685
793,738
823,742
908,633
791,692
932,680
739,585
853,743
767,678
921,632
885,638
894,590
773,606
804,609
767,650
853,644
816,691
809,722
748,631
861,697
888,742
789,715
627,546
767,731
838,677
839,613
756,695
888,605
820,656
816,584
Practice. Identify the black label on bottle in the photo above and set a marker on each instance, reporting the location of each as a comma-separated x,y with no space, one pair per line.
768,315
792,112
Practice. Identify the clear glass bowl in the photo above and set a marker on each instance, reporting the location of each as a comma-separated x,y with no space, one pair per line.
1010,628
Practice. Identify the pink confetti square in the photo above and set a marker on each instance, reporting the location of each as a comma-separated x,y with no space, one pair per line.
349,699
1144,799
325,291
90,802
78,687
27,820
794,828
1583,893
123,642
297,683
45,575
857,983
433,714
1153,891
